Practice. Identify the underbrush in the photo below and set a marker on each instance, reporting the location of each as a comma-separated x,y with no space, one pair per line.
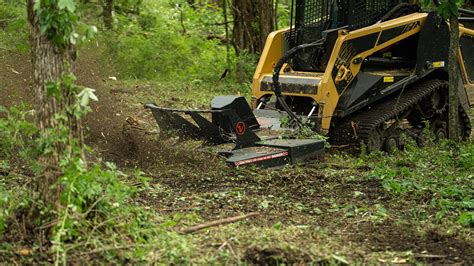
167,42
436,180
96,216
14,30
175,43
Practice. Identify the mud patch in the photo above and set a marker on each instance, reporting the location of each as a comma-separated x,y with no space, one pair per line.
273,256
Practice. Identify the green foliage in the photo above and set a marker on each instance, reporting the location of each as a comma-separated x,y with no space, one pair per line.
15,133
125,7
57,18
172,43
284,14
90,196
12,198
439,174
96,210
4,208
446,8
467,218
14,31
304,131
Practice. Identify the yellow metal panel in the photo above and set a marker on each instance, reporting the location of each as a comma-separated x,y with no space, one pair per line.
329,95
272,52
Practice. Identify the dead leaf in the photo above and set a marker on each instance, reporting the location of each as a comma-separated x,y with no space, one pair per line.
25,252
399,261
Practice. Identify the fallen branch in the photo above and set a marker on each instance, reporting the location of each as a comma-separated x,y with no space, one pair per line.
430,256
218,222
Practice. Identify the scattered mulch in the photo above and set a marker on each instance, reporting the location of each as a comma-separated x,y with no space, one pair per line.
442,249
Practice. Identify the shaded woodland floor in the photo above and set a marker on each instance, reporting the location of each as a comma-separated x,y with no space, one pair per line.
328,211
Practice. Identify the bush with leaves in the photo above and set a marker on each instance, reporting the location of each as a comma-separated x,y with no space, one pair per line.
13,26
439,173
173,43
96,213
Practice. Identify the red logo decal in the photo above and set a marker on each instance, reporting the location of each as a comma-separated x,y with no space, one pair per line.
240,128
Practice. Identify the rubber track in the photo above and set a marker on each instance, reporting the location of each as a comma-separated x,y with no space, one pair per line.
370,119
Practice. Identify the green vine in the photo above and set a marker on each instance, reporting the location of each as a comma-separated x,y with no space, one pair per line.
446,8
57,18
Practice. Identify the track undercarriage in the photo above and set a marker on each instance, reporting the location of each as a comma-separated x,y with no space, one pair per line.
381,126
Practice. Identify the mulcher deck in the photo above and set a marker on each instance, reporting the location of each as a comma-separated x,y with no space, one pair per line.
276,152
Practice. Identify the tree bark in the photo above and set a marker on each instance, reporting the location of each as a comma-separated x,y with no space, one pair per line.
253,21
454,80
107,15
51,64
226,27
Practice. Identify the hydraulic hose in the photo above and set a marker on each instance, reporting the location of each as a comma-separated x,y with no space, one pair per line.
276,78
399,10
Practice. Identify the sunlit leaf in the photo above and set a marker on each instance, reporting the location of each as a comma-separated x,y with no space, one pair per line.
67,4
85,96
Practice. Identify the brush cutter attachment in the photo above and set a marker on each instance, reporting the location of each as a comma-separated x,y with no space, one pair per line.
232,121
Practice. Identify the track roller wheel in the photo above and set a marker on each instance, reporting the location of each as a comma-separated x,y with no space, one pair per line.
375,141
421,138
440,130
392,144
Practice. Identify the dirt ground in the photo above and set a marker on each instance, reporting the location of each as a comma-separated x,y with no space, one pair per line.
306,212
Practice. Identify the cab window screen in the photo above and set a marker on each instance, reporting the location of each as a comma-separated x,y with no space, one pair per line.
467,49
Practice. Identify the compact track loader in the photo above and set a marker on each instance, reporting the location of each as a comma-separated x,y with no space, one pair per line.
360,71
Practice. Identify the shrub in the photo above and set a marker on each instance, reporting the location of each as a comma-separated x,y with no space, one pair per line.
14,30
440,173
173,44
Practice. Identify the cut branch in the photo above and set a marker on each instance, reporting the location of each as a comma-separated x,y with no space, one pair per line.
218,223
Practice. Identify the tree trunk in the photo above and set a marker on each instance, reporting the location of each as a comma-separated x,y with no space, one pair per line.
51,64
107,15
454,79
253,21
226,27
275,14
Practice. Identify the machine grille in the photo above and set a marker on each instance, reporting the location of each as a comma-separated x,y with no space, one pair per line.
310,18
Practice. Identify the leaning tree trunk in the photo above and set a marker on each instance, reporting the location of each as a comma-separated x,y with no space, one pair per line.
253,21
454,80
51,64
